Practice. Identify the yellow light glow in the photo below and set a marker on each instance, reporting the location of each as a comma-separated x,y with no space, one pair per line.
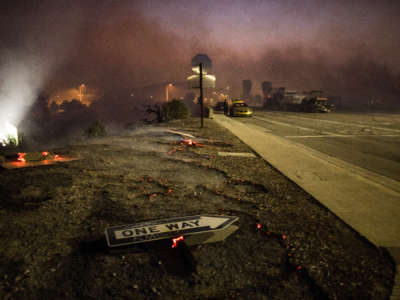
208,81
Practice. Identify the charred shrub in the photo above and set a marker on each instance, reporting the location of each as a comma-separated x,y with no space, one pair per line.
158,111
176,109
97,129
12,145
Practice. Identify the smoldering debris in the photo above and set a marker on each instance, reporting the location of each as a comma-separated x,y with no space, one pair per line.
34,159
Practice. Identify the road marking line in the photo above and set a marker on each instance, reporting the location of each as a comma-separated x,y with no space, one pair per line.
346,136
345,123
294,126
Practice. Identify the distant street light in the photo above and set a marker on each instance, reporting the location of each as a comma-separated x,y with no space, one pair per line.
81,87
168,85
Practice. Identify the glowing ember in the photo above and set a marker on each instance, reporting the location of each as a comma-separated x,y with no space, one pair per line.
176,240
21,157
188,141
172,150
44,153
258,226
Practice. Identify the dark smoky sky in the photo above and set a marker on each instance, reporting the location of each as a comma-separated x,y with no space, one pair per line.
116,46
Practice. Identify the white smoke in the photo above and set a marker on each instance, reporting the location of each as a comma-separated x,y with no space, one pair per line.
35,41
22,77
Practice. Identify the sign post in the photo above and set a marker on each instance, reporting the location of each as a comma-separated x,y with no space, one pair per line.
201,94
201,64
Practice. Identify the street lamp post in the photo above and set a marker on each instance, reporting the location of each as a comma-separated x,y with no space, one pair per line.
81,87
228,91
170,84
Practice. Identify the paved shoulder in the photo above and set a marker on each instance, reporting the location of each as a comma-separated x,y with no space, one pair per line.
368,203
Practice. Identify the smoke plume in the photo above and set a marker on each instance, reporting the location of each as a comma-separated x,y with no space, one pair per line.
34,41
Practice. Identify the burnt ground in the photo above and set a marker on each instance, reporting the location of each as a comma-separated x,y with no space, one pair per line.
53,218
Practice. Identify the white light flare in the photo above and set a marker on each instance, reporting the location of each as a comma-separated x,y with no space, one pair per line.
22,77
8,133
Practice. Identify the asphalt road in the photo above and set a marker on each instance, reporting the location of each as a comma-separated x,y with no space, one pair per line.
370,140
348,162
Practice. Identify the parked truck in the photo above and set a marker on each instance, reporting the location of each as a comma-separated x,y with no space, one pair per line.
312,101
315,101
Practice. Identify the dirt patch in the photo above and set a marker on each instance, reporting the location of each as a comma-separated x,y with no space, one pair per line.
287,246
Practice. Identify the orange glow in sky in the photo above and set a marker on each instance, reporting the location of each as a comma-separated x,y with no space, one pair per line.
87,95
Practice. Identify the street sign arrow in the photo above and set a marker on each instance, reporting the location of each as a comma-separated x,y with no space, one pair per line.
166,228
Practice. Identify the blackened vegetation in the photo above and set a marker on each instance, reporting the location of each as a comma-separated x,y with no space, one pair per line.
175,109
96,129
46,124
157,110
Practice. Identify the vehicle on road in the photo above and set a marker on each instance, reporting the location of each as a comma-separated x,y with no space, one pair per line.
315,101
240,109
315,104
237,100
312,101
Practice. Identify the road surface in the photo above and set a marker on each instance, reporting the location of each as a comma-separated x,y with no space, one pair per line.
350,163
369,141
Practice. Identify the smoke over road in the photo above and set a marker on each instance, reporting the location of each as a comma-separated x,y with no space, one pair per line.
305,68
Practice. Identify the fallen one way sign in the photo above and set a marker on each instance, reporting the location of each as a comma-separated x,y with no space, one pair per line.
166,228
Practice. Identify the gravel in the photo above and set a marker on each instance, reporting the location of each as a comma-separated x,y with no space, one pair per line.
301,250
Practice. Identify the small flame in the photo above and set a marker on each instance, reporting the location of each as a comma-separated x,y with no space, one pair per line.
21,157
176,240
45,153
258,226
188,141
